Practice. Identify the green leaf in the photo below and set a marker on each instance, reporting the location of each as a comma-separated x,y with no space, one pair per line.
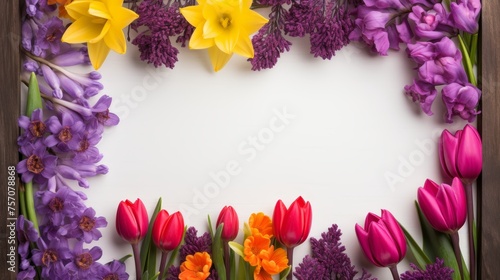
34,98
146,243
155,276
237,248
145,275
30,205
242,269
124,258
210,229
232,264
438,245
218,254
466,61
421,258
285,272
151,263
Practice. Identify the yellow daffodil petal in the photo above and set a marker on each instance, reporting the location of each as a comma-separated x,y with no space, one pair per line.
252,21
212,29
226,41
97,53
122,17
218,58
99,9
193,15
116,40
104,31
112,4
244,47
197,40
81,31
77,9
246,4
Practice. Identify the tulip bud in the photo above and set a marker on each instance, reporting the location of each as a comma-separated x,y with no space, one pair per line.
382,239
461,154
292,225
168,230
132,221
444,206
229,218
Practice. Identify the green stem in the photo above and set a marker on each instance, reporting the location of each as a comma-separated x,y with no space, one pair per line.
470,224
226,259
394,272
467,61
458,255
30,205
289,255
137,259
473,48
163,262
22,201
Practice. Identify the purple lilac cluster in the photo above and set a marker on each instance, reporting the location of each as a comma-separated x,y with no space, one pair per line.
328,259
193,244
425,26
156,24
58,144
435,271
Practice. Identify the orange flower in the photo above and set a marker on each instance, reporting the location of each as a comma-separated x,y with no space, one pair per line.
62,6
274,261
253,245
196,267
260,223
261,274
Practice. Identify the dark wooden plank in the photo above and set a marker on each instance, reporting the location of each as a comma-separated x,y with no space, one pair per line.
489,192
10,102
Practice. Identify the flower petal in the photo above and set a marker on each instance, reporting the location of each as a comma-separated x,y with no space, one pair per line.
103,33
252,21
193,14
198,42
122,17
99,9
82,30
115,40
77,9
97,53
218,58
226,41
244,47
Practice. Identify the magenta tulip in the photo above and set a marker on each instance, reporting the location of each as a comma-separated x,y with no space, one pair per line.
168,230
461,154
229,218
291,226
444,206
382,239
132,221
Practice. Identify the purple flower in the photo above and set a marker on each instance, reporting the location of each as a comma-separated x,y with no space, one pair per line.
112,270
309,268
83,264
193,243
430,24
85,226
86,152
157,50
51,257
464,15
422,92
59,205
33,128
26,234
39,164
52,80
72,57
49,35
26,271
300,18
435,271
64,133
461,100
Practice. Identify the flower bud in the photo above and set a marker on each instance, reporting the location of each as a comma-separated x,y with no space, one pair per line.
168,230
229,218
292,225
132,221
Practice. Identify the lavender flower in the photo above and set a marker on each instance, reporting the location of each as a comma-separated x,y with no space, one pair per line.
310,268
50,34
194,244
435,271
83,264
56,206
39,165
26,234
300,18
155,49
51,257
461,100
112,270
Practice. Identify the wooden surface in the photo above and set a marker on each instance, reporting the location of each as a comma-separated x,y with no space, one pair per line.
10,101
489,185
489,191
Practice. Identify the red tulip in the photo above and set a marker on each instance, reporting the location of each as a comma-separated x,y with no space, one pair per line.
132,221
444,206
382,239
229,218
292,225
461,154
168,230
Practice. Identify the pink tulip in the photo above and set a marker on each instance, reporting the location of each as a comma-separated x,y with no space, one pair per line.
382,239
168,230
461,154
229,218
132,221
444,206
292,225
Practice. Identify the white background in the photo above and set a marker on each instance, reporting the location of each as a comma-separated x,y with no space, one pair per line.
352,127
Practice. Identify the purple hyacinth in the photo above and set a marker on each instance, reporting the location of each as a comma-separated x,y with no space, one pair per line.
65,131
309,268
194,243
269,42
300,18
435,271
26,234
461,100
423,93
72,57
87,152
57,206
50,34
112,270
157,50
84,227
84,263
51,257
465,14
38,166
34,128
26,271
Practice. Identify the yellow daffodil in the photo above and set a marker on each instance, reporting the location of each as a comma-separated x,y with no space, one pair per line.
99,23
223,27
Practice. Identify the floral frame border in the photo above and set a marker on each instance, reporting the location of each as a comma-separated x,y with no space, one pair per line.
488,123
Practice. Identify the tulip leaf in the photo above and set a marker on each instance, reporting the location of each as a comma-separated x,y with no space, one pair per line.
145,275
285,272
34,98
421,258
155,276
232,264
124,258
210,229
438,245
147,244
237,248
218,254
151,263
242,269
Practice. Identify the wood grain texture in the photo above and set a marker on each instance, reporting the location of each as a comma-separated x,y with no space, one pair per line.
489,191
10,102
